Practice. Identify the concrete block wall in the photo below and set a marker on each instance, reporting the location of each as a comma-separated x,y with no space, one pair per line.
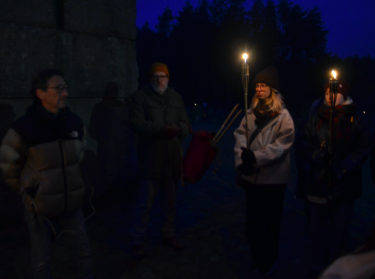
35,13
94,45
115,17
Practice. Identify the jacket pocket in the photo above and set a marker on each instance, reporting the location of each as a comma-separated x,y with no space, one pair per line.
153,112
173,112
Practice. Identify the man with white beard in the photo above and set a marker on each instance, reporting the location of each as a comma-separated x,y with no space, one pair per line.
159,118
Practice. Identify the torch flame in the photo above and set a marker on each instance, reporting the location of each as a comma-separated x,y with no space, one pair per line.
334,74
245,56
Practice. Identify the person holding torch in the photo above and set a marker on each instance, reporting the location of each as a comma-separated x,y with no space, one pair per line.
262,159
335,143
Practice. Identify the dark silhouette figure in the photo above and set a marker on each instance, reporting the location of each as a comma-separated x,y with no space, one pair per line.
109,126
12,209
7,117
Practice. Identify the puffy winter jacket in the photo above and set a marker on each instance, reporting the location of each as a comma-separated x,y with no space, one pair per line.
39,157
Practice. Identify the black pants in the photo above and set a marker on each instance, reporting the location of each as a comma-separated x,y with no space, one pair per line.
329,231
264,206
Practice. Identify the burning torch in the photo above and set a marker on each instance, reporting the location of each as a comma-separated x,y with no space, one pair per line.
245,83
333,90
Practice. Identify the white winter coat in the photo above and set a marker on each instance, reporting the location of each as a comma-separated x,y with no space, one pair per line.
271,148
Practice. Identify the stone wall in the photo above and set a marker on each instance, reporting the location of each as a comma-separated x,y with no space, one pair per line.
91,41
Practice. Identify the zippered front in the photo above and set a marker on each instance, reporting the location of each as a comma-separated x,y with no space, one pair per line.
64,177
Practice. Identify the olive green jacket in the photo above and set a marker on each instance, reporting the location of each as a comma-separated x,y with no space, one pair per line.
158,157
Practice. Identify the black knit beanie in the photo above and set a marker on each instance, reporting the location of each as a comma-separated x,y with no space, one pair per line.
269,76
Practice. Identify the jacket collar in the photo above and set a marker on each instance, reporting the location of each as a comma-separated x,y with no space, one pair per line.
44,115
348,101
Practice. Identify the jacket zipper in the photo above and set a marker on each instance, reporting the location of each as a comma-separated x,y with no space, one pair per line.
64,177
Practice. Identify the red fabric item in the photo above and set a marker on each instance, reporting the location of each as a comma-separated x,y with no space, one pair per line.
199,156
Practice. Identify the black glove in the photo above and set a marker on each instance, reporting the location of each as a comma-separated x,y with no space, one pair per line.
247,156
246,169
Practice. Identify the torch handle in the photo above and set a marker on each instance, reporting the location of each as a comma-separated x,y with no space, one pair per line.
330,146
238,113
245,83
333,89
225,122
247,124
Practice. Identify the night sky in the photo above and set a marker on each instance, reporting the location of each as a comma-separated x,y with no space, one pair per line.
351,23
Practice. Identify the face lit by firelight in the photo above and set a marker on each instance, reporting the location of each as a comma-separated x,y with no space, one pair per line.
262,91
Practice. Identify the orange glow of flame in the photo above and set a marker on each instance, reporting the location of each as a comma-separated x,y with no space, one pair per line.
245,56
334,74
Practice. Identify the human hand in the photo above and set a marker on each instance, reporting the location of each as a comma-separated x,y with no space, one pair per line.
246,169
247,156
176,127
168,131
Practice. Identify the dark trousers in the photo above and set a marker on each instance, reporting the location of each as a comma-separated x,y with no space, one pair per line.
329,231
40,243
264,206
147,193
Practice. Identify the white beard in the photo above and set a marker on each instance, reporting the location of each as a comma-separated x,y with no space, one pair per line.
159,90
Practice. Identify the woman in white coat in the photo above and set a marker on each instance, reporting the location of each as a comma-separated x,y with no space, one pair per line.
264,169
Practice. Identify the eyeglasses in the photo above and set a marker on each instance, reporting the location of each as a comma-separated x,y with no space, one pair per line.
60,88
159,77
261,86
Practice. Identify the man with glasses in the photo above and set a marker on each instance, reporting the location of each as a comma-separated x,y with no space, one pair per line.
159,118
39,158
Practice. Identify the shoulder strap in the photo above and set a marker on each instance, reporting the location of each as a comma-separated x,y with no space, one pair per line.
258,130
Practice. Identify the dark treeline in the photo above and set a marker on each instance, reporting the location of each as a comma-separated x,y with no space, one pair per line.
203,46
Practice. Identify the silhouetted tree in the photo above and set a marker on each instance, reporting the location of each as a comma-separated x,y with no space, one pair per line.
166,21
202,47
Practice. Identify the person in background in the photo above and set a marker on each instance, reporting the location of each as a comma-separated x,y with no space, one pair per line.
39,158
109,126
159,119
264,169
332,189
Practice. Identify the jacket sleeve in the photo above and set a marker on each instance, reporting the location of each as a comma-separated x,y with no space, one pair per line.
138,121
284,141
360,151
12,158
306,146
240,137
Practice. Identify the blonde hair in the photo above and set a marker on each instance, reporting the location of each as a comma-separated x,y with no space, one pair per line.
275,101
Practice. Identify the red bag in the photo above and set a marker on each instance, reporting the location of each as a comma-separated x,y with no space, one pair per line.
198,157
